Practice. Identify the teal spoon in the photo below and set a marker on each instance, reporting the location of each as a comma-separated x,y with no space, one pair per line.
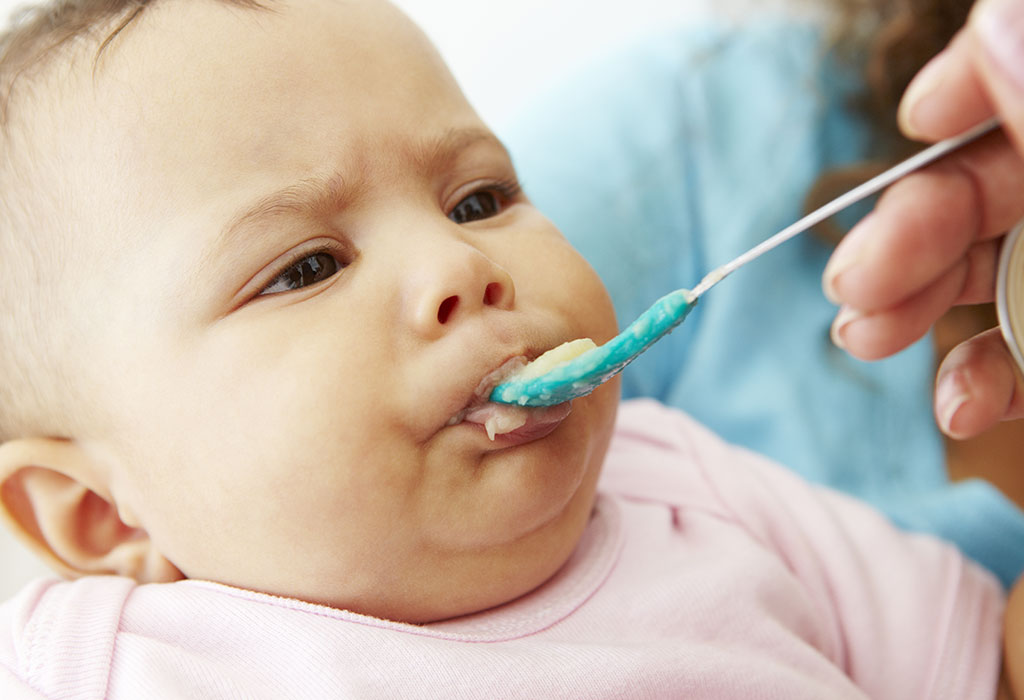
584,373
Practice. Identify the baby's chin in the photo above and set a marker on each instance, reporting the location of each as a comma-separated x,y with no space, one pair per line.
538,492
442,584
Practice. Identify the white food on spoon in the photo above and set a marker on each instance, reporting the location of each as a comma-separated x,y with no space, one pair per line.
552,359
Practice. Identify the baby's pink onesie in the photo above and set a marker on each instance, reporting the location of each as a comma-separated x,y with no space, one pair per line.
706,572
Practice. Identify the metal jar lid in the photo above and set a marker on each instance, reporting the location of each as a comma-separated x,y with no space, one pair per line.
1010,293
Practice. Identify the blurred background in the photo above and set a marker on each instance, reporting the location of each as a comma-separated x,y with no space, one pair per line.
501,53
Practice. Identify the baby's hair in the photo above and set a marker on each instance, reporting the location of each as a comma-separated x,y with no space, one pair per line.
38,394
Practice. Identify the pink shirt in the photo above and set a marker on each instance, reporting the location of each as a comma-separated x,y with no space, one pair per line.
706,572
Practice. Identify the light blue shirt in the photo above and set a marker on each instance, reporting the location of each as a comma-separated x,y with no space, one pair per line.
669,158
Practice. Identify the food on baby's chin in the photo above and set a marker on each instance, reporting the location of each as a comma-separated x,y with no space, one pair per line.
552,359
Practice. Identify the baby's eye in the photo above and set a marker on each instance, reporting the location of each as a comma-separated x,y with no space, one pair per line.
305,271
487,202
479,205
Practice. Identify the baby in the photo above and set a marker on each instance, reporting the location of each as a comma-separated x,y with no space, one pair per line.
255,258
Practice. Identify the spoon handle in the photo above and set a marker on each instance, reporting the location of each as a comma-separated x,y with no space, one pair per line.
901,169
581,375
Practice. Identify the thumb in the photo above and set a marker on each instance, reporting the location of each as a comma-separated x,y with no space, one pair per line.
979,74
978,385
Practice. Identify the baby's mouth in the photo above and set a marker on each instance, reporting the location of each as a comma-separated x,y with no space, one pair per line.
521,423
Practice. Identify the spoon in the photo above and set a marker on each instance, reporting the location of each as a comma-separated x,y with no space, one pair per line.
578,376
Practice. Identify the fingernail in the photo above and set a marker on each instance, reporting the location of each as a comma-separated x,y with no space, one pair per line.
843,319
835,268
914,106
950,395
1001,26
846,256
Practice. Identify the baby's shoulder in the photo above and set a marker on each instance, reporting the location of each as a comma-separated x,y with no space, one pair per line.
60,634
659,453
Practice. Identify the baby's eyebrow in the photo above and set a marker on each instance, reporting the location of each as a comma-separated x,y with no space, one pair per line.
333,192
440,152
304,197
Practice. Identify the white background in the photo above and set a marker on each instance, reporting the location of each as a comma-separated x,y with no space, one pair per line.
500,52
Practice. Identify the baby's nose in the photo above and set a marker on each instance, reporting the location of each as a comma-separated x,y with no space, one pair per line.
456,286
494,295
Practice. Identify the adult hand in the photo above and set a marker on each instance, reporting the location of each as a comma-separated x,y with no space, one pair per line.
932,241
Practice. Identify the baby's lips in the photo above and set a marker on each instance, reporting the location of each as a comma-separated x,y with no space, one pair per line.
520,422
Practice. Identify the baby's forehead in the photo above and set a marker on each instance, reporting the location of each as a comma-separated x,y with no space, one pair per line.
74,110
193,94
128,104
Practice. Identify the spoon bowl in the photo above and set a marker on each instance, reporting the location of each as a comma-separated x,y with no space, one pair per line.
584,373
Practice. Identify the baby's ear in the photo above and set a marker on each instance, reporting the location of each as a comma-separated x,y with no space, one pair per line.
53,497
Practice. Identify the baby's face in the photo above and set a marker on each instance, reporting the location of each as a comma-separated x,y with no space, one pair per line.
308,252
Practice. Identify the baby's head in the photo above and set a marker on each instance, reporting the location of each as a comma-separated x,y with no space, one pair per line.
256,259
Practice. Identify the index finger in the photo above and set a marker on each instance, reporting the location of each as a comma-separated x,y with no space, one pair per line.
980,73
924,226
